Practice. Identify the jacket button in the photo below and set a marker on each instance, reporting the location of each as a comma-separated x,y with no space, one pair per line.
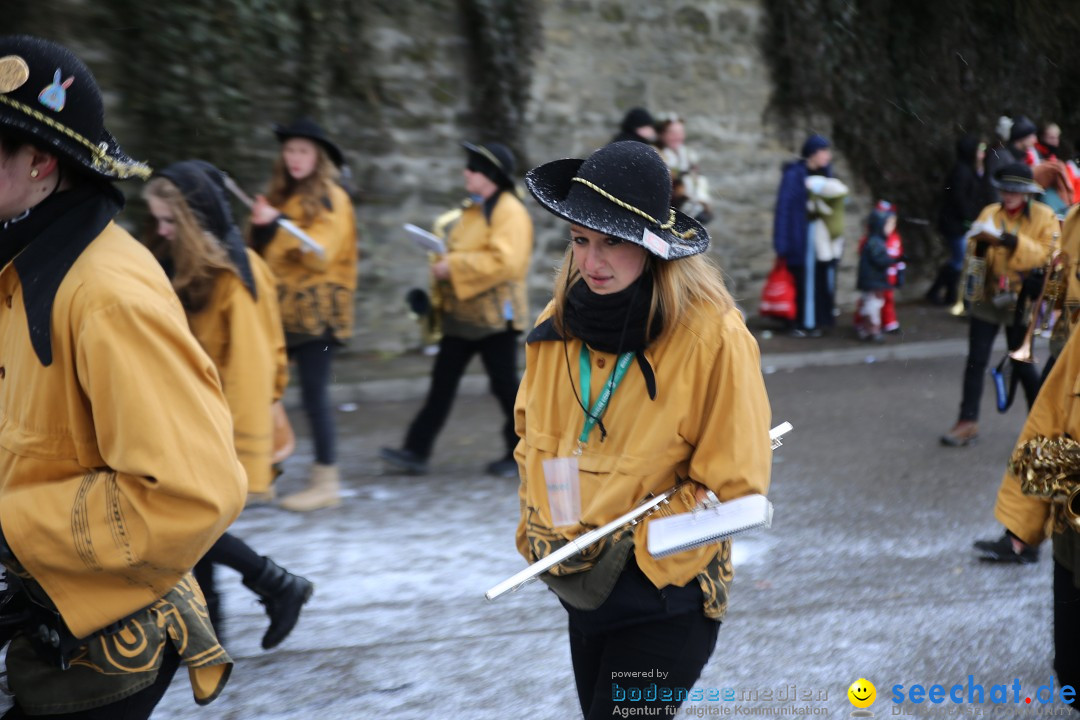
600,362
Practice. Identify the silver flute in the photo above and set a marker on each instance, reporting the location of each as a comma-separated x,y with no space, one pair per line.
580,543
307,244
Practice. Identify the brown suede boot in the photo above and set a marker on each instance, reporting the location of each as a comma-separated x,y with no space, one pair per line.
323,491
963,433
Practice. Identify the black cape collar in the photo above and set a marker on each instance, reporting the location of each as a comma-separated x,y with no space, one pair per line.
546,332
71,221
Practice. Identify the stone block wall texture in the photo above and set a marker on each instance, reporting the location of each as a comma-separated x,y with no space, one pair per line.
401,122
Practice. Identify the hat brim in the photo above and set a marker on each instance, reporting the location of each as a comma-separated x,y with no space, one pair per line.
1027,186
552,182
106,161
283,133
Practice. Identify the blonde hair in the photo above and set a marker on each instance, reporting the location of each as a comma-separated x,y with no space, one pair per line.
312,190
677,286
197,256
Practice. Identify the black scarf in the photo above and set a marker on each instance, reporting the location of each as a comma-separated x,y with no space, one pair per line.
47,241
613,323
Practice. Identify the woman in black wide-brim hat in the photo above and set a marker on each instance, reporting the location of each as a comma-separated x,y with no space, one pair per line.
316,287
640,373
117,465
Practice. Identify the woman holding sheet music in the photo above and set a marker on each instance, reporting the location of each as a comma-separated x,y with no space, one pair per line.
315,287
639,374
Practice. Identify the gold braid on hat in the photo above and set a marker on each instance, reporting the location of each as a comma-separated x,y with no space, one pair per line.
100,159
669,225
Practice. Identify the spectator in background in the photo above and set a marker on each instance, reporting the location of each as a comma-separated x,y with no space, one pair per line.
637,125
693,198
874,278
793,243
1020,148
963,197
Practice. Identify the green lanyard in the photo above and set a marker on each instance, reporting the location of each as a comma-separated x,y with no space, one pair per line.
609,387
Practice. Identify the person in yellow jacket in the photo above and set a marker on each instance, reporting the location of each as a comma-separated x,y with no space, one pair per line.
1012,240
640,373
1029,519
315,287
484,309
228,294
117,464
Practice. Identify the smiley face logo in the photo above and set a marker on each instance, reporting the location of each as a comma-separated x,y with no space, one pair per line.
862,693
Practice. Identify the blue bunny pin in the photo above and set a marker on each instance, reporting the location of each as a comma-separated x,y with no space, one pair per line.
55,94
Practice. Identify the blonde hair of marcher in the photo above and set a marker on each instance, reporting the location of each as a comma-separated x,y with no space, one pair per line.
677,286
312,190
197,256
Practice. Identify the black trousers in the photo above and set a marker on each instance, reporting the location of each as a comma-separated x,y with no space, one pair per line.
819,304
499,355
232,552
981,336
640,629
134,707
1066,629
313,361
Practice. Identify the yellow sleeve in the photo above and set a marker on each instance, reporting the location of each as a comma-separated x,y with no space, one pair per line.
505,257
248,376
1025,516
332,230
732,453
164,428
1033,248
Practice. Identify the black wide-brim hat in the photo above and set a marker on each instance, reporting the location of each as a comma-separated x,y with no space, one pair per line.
49,98
1016,177
622,190
310,130
495,160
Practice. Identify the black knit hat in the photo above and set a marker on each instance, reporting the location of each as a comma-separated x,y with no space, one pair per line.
622,190
49,98
1015,177
309,129
1022,127
494,160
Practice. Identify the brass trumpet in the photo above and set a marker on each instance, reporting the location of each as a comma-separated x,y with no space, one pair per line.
1050,298
1050,468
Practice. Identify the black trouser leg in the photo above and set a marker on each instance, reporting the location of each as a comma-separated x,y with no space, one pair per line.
824,293
1027,373
134,707
450,363
499,355
313,361
234,553
798,274
981,336
204,575
1066,628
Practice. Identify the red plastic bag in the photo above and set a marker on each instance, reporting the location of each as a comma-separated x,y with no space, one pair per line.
778,295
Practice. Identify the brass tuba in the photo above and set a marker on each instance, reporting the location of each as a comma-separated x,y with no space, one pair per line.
1050,468
1045,307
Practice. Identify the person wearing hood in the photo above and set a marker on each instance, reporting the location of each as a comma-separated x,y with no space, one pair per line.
637,125
963,197
315,285
118,468
229,297
1019,148
815,276
484,306
639,374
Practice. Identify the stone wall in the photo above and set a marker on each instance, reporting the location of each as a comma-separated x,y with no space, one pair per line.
594,60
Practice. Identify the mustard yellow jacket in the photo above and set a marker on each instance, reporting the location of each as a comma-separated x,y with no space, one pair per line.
1070,304
709,422
315,295
117,466
1037,232
243,337
489,260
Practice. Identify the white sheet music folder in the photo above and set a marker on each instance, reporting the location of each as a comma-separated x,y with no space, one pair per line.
688,530
424,239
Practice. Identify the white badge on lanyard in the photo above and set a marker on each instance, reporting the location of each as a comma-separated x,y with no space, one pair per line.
564,490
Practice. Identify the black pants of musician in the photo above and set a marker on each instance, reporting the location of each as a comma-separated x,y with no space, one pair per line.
134,707
639,629
499,355
232,552
814,301
980,343
313,362
1066,629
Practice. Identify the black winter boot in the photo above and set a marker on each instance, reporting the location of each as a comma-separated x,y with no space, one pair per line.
283,594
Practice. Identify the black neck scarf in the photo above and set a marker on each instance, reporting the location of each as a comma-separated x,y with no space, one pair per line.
613,323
